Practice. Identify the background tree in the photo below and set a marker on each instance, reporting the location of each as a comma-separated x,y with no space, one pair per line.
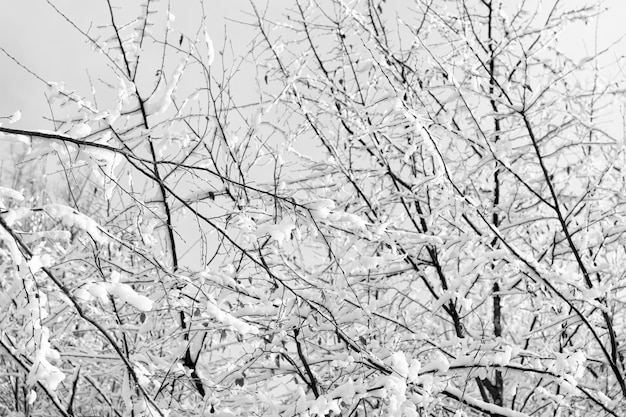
421,214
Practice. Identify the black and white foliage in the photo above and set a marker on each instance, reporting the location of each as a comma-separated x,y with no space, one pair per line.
418,211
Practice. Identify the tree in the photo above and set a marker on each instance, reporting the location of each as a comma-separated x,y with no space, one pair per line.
422,214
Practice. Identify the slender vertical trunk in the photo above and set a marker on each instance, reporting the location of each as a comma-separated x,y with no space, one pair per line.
497,391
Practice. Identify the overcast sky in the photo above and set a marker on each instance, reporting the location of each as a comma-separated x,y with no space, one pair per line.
43,41
40,39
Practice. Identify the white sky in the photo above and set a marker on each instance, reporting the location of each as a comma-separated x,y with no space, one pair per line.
43,41
40,39
37,36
